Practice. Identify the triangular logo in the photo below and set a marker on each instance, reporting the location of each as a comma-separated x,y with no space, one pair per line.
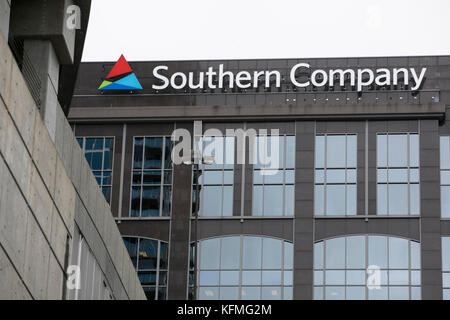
121,77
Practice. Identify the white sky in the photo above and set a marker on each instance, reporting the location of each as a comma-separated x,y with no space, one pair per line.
252,29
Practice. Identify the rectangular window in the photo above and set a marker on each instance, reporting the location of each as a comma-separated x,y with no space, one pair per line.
216,179
273,176
335,175
445,176
398,174
446,268
99,153
151,187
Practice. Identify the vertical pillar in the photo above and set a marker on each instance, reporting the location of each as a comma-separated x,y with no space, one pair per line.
430,211
304,210
45,62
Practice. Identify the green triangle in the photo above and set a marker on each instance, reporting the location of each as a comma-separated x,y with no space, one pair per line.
104,84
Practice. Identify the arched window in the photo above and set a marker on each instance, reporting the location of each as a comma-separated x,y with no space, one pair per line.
150,258
244,267
367,267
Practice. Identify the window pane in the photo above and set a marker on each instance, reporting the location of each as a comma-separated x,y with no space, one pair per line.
251,278
378,251
398,175
210,293
135,201
167,201
212,177
318,200
290,152
335,198
336,176
289,200
398,253
356,293
414,150
445,152
230,252
151,177
150,201
398,293
288,255
414,199
273,200
351,200
271,253
445,201
351,151
356,252
251,255
271,293
229,293
335,293
271,277
148,254
211,198
251,293
397,150
445,253
356,277
209,254
153,153
335,277
398,277
398,199
335,155
415,255
378,293
318,255
138,151
335,253
229,278
320,152
257,200
227,201
382,199
382,150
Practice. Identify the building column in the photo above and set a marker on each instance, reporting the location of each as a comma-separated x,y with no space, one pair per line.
45,62
304,211
430,222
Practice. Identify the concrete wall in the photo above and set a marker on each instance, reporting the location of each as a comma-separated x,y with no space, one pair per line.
5,9
46,188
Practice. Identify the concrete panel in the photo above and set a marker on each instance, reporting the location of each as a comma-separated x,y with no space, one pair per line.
37,253
41,202
44,154
55,279
5,69
58,238
11,286
64,194
14,215
22,106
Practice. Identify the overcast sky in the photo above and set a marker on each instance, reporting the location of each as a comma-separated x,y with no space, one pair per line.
251,29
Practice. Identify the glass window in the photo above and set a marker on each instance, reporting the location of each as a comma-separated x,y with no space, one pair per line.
150,259
398,174
446,267
273,176
367,267
335,175
244,267
151,189
215,180
99,153
445,176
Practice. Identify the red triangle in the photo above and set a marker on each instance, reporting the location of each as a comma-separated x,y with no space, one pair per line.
119,68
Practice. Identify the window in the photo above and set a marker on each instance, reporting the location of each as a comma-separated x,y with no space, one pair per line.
446,268
150,258
398,174
151,188
216,180
273,176
93,283
344,268
99,154
244,267
445,176
335,175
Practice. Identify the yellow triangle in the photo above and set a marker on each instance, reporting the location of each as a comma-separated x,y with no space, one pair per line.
104,84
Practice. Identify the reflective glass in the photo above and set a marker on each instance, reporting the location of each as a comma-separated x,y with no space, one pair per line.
229,293
445,152
272,253
271,293
397,150
229,278
320,152
209,256
382,150
230,252
273,200
252,247
335,157
211,198
335,293
356,293
378,251
335,200
356,252
445,201
251,293
334,259
398,199
351,151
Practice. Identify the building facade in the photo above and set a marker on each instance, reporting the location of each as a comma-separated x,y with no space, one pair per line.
355,205
58,239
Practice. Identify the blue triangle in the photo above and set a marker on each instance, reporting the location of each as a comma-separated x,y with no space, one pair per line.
130,81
